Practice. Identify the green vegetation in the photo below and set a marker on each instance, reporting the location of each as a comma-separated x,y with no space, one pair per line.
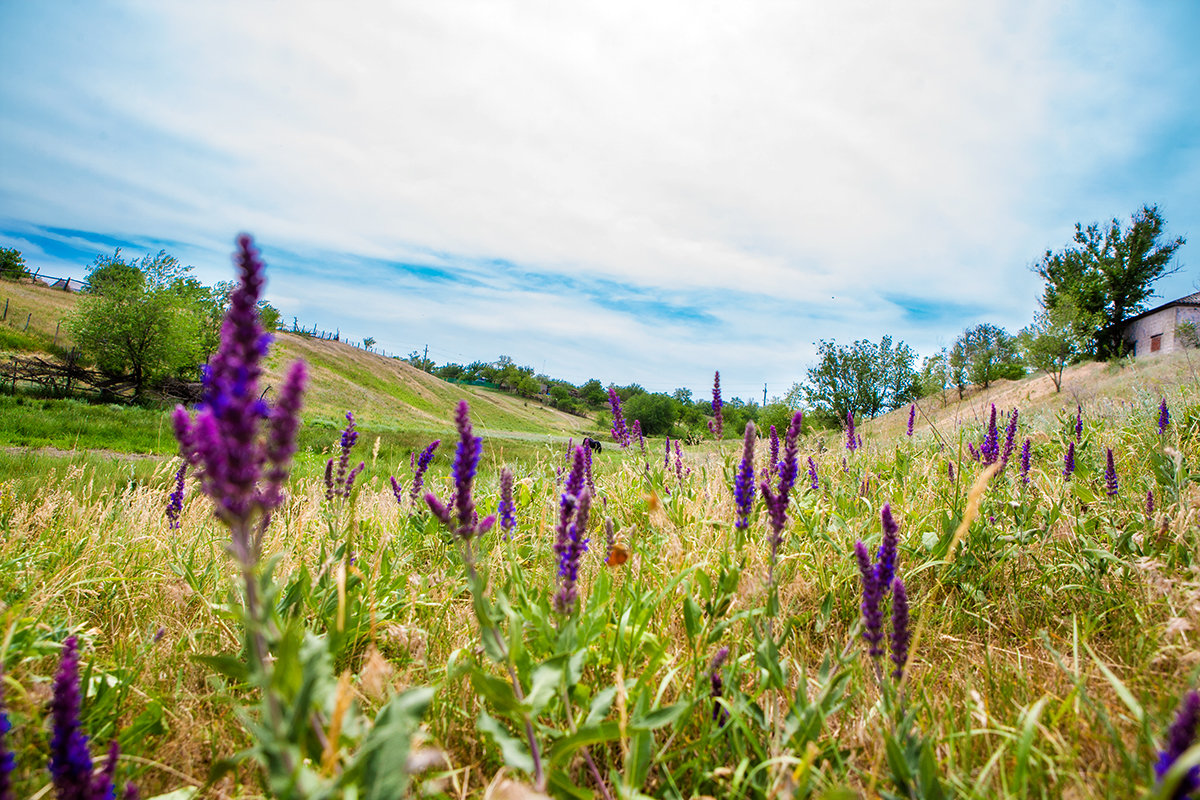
12,264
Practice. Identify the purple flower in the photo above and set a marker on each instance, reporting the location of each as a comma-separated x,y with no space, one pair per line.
459,516
743,484
885,557
70,761
348,440
667,453
1069,461
718,685
1110,476
773,467
812,474
350,479
620,433
1164,417
1025,456
989,451
1180,737
1010,437
900,632
1078,423
175,500
223,440
330,490
872,596
717,424
972,451
420,466
1149,502
777,499
571,543
950,470
912,417
8,761
851,437
508,519
678,461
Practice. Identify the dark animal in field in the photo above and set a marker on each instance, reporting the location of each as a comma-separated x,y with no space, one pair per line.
592,443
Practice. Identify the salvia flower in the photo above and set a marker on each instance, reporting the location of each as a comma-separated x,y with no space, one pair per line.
242,473
1110,476
175,501
679,473
718,685
667,452
70,761
773,467
330,488
989,451
885,557
620,433
812,474
1025,460
900,632
1149,502
350,477
717,423
872,597
8,761
1078,423
1010,438
1181,735
776,499
1164,417
459,515
1069,461
851,437
912,417
507,510
972,451
950,470
420,467
743,484
571,541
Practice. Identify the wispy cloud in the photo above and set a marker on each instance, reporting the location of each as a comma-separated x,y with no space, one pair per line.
637,191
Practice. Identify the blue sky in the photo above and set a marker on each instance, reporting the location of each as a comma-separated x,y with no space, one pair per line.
628,191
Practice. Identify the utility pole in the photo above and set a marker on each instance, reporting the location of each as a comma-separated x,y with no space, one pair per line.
764,395
425,358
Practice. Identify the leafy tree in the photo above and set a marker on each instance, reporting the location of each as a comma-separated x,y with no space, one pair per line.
1058,337
656,412
935,375
1108,272
368,342
775,413
421,362
12,264
984,354
140,319
864,378
593,395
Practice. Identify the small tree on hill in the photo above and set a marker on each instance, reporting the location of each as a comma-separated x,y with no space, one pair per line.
1058,337
12,264
863,378
984,354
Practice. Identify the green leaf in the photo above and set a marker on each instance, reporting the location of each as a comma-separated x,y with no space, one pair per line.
229,666
601,704
691,616
659,717
546,680
514,751
496,691
384,751
560,752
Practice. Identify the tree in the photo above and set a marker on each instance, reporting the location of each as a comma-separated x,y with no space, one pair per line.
984,354
12,264
935,375
1109,273
863,379
140,319
368,342
1058,337
656,412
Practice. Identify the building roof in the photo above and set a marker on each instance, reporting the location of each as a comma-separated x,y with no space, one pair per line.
1192,300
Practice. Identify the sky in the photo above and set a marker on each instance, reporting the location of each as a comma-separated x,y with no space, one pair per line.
630,191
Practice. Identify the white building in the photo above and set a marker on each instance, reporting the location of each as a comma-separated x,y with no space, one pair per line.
1156,330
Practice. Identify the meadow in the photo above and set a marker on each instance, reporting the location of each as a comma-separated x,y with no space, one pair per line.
700,644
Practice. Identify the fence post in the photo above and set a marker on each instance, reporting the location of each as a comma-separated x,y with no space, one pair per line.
56,327
5,310
27,321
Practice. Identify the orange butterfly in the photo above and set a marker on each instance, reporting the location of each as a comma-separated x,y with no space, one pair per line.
617,556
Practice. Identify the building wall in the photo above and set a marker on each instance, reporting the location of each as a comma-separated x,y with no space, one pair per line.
1162,322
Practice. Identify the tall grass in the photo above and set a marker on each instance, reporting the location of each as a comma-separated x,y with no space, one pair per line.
1055,624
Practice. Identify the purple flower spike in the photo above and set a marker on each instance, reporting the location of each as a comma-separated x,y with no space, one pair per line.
717,424
349,439
1164,417
912,417
1110,476
667,452
743,485
773,467
900,632
70,761
350,479
466,461
420,466
8,761
508,519
718,685
812,474
330,490
1149,502
223,440
620,433
885,558
777,499
851,437
1180,737
1069,461
872,595
1079,423
1025,461
950,470
1010,438
174,502
989,451
571,542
